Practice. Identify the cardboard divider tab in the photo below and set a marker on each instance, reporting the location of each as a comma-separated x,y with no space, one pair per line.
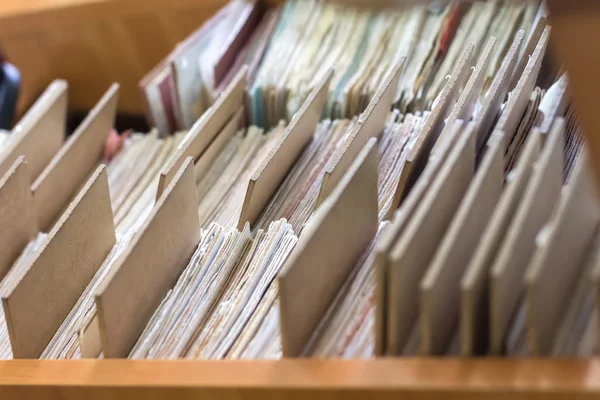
212,151
329,247
40,133
534,36
17,214
392,232
517,101
290,144
206,128
497,93
474,286
90,340
508,270
370,124
414,249
561,98
37,302
465,106
150,266
440,295
417,158
75,161
557,264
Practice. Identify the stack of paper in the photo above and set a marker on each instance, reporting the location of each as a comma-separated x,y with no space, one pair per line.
395,144
468,185
180,88
361,45
222,185
133,177
216,294
297,195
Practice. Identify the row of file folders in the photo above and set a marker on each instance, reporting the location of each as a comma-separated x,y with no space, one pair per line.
459,222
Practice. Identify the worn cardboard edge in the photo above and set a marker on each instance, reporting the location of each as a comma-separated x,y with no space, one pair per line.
420,151
19,222
212,151
205,128
488,179
335,225
475,277
64,159
370,124
180,194
21,296
532,42
463,109
498,305
284,153
28,130
497,92
518,99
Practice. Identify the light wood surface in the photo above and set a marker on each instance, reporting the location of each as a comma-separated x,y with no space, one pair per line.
92,43
414,379
575,28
